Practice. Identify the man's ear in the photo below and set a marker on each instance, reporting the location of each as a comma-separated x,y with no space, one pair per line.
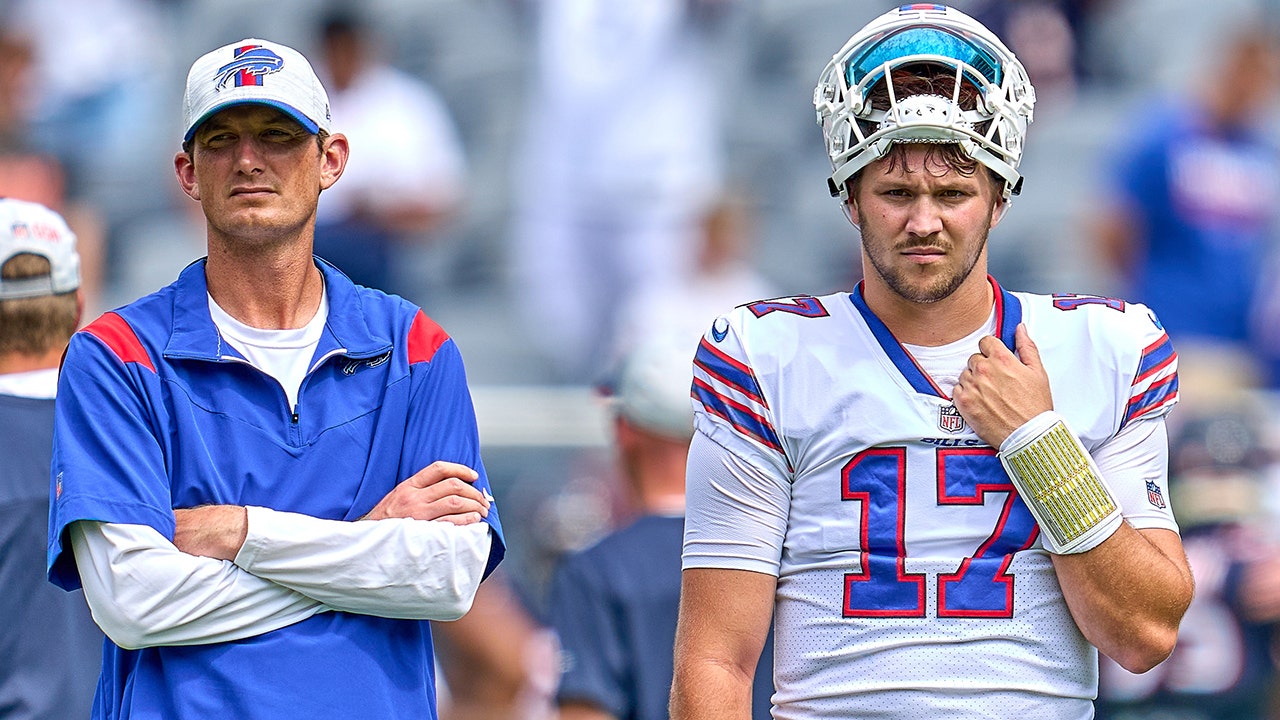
850,208
997,213
185,168
333,159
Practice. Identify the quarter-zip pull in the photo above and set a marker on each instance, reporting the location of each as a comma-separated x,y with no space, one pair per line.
295,415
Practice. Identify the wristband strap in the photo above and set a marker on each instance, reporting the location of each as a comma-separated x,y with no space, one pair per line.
1061,484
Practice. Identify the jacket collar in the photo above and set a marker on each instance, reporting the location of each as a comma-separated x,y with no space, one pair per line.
194,336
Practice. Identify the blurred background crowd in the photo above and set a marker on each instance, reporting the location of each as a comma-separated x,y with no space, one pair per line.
554,179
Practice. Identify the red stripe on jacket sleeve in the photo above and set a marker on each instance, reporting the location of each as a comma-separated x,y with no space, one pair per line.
116,334
425,338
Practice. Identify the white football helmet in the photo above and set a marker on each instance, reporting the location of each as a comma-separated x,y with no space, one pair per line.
933,34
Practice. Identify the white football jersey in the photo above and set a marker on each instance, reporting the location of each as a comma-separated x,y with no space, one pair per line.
911,579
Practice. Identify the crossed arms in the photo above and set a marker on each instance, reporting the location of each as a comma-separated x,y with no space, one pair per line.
234,572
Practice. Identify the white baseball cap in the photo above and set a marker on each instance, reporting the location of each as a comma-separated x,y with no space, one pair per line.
254,71
27,227
653,385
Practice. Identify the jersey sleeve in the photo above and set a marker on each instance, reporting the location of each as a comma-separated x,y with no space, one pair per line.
738,483
729,402
1153,388
441,417
108,464
1135,464
1134,459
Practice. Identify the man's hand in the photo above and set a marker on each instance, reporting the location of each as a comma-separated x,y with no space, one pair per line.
213,531
439,491
999,391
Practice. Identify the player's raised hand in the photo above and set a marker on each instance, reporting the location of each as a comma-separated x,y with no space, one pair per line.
999,391
440,491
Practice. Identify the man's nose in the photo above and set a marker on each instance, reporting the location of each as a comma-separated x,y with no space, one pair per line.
248,155
924,218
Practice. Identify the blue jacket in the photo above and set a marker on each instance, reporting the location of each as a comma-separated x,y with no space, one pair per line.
156,412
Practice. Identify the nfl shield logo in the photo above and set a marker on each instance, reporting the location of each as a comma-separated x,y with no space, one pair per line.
1154,496
949,419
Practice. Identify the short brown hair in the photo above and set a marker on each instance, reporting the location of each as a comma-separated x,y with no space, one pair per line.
34,326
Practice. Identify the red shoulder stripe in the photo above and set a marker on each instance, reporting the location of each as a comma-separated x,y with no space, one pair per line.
116,334
425,338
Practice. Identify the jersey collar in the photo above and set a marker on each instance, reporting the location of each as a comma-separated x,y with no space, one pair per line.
1008,310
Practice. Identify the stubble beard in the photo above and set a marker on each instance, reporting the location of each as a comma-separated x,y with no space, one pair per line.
898,280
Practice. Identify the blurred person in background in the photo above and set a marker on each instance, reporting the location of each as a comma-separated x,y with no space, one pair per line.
497,661
1191,213
94,99
620,160
50,648
407,177
1224,666
1045,35
614,604
29,173
721,275
89,108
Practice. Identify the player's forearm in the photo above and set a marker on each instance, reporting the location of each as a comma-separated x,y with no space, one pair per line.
144,592
397,568
706,690
1128,595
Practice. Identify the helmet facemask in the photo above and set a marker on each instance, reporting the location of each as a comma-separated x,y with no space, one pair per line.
990,128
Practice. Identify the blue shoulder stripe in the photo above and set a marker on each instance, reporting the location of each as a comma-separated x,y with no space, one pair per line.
735,413
1155,356
727,370
1156,395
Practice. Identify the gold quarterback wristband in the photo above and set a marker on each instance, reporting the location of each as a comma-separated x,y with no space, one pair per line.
1061,484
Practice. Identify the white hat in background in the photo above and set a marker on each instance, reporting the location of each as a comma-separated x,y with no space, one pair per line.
254,71
652,387
27,227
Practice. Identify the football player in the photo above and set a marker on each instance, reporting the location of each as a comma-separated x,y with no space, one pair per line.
948,495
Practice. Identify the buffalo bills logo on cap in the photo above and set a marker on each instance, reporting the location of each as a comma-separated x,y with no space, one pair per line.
251,63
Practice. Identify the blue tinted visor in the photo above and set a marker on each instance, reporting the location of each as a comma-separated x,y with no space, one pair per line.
968,49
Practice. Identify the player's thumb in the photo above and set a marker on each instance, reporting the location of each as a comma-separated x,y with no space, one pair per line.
1026,348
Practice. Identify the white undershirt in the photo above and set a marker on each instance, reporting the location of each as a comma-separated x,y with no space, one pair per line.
944,363
145,592
283,354
38,384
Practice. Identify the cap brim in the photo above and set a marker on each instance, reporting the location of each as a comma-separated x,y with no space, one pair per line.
287,109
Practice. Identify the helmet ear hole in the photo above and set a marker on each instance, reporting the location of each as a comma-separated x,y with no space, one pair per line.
841,134
983,105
